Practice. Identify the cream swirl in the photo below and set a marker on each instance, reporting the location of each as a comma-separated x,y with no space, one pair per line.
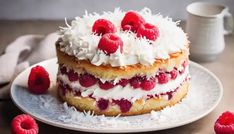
79,41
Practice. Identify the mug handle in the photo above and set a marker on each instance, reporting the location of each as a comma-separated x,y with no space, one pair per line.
228,23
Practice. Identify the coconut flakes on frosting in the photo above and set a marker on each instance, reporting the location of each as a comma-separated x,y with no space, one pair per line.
79,41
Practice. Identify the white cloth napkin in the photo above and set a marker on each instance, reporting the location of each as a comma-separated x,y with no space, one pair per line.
23,52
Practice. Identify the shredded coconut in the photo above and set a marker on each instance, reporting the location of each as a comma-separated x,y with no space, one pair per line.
79,41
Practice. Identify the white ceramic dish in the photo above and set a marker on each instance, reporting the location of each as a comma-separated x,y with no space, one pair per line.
205,93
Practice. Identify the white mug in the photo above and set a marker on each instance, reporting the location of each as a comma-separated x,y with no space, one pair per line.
206,25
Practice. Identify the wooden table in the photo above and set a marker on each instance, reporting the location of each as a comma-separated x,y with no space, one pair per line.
223,67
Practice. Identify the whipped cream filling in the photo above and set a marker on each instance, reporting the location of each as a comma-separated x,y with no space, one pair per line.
79,41
127,92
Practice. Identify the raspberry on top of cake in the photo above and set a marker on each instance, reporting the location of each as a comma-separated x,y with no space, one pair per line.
121,38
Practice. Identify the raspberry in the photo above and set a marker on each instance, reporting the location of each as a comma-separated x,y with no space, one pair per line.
91,96
136,82
148,31
225,123
132,21
63,70
103,26
102,104
107,85
24,124
109,43
185,63
124,105
123,82
127,28
62,88
87,80
38,80
77,93
162,78
173,74
170,95
68,88
72,76
182,71
148,84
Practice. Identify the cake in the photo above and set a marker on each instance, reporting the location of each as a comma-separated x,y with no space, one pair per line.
122,63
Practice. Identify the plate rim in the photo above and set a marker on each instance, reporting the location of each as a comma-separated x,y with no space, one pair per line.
116,130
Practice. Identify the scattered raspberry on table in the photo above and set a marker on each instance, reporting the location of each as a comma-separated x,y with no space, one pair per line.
225,123
24,124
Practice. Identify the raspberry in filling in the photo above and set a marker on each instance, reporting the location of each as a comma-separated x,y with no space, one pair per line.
170,94
102,104
63,70
185,63
123,82
162,78
77,93
173,74
124,105
72,76
106,85
148,84
87,80
136,82
64,87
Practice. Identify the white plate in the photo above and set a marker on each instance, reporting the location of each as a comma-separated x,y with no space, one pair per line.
204,95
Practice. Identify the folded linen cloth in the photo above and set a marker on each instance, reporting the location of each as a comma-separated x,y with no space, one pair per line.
21,53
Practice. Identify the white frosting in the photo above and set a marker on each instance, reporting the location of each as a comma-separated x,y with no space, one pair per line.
79,41
126,92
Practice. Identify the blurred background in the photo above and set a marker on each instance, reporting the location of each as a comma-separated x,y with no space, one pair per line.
59,9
